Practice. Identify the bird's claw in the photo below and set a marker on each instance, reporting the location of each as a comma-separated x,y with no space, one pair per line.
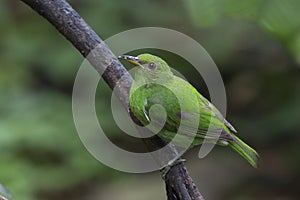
165,169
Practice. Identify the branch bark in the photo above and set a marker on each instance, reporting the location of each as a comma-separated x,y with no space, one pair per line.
179,185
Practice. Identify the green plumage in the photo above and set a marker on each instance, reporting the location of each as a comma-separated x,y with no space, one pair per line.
186,109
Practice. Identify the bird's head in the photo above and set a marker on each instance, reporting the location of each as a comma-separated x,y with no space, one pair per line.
150,66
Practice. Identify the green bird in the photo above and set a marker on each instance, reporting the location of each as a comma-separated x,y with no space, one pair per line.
154,83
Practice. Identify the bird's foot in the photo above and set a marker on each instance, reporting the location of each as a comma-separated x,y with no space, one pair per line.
165,169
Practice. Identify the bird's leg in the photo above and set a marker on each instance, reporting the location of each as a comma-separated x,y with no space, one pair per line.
165,169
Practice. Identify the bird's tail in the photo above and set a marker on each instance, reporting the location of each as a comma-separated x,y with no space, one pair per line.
244,150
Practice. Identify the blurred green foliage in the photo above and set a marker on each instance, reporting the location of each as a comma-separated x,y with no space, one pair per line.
276,17
255,43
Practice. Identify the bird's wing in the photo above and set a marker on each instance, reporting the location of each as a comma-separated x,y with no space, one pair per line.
210,124
211,107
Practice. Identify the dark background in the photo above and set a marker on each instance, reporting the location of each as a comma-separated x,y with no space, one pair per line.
255,44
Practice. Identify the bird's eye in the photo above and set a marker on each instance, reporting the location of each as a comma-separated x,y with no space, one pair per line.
152,66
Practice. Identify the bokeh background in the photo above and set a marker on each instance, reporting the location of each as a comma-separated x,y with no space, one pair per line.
256,45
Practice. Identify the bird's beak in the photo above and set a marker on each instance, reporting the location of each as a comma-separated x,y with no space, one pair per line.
132,59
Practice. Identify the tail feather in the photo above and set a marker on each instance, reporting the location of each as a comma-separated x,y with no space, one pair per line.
246,151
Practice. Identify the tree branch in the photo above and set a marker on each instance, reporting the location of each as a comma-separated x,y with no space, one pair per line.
179,185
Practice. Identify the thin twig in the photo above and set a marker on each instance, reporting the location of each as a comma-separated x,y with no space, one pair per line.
179,185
